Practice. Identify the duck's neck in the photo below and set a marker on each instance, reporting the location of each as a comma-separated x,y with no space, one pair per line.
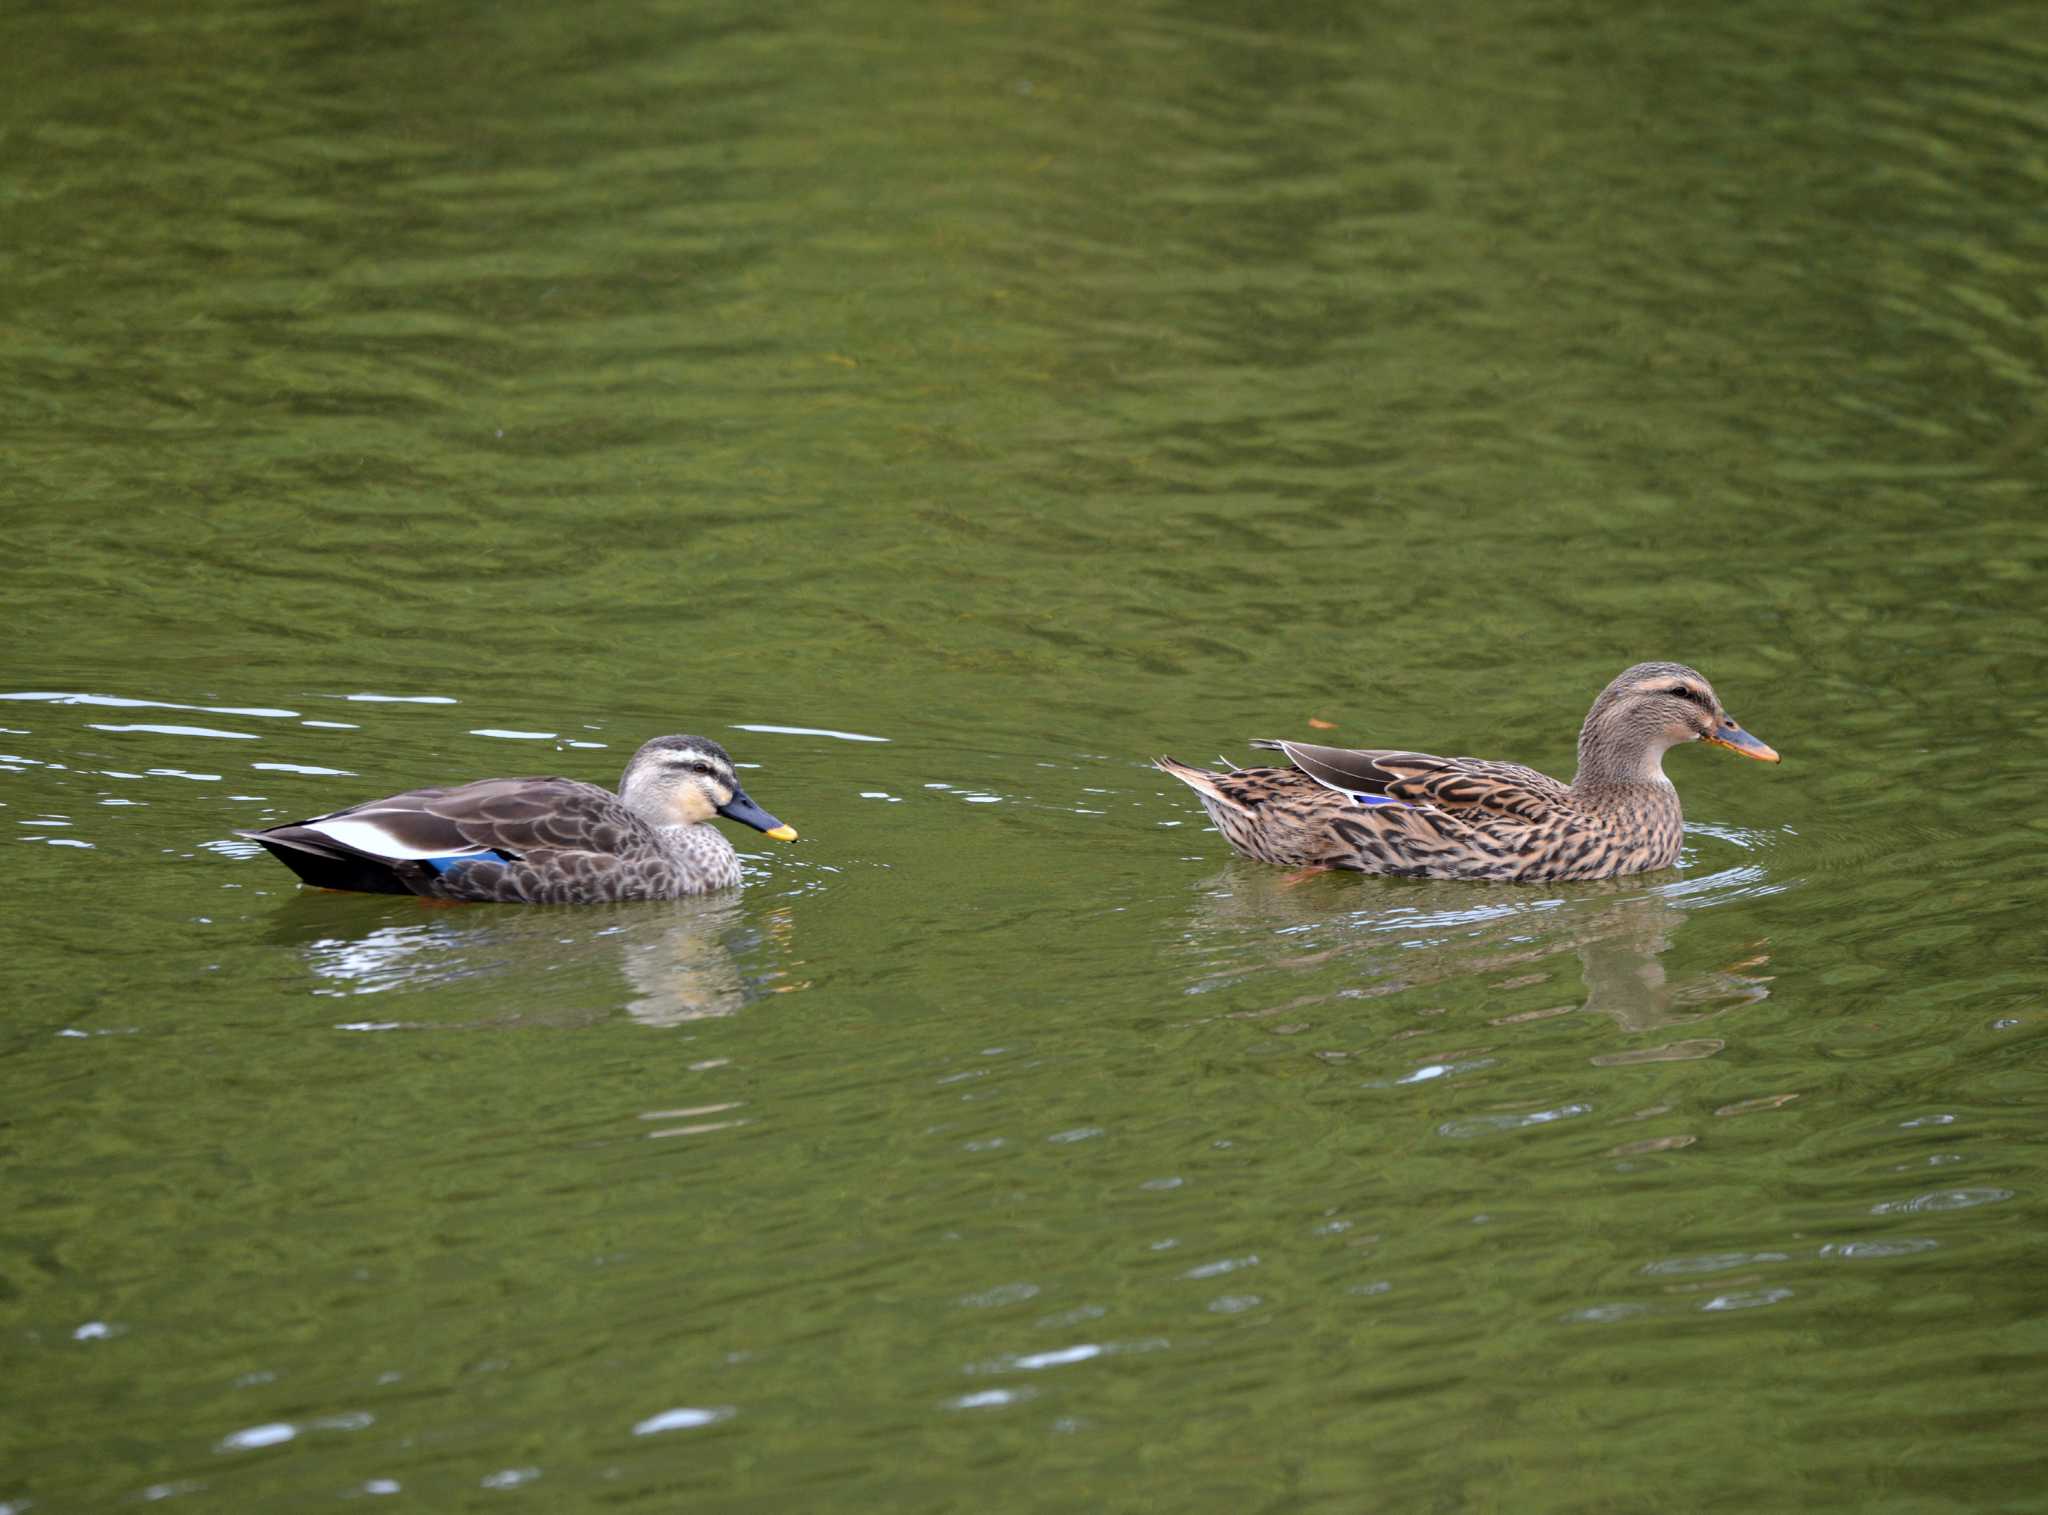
684,833
1617,760
702,848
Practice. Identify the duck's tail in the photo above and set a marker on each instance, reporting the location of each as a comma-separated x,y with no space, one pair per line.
1203,782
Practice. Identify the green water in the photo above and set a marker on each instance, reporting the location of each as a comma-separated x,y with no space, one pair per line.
949,408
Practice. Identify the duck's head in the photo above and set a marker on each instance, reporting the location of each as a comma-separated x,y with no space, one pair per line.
685,780
1647,711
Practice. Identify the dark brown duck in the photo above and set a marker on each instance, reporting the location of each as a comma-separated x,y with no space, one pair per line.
540,841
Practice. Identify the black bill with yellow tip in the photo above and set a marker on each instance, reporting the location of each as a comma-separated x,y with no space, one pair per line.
741,808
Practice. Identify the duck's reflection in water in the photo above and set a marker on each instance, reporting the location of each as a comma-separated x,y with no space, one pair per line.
686,969
663,963
1389,937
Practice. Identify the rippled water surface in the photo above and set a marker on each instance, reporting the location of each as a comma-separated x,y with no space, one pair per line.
950,409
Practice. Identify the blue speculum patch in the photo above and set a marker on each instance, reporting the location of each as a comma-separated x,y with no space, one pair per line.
1374,799
443,864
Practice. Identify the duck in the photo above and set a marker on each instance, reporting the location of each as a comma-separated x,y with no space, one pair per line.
539,841
1412,815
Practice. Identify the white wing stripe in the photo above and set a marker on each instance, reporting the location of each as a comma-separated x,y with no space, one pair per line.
368,836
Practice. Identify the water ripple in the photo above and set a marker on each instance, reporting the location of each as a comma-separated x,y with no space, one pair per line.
1718,1262
1486,1125
1905,1246
1753,1299
1226,1265
1942,1199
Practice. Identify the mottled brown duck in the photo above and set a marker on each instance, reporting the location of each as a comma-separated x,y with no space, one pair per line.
540,841
1412,815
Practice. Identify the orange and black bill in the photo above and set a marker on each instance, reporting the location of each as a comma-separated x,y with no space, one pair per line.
1735,739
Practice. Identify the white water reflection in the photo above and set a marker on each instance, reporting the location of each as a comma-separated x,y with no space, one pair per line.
120,702
988,1399
684,1418
1064,1357
663,963
1747,1299
1487,1125
1902,1246
1942,1199
209,731
252,1438
825,731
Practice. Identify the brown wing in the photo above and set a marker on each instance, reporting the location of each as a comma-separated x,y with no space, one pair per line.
515,816
1470,785
532,815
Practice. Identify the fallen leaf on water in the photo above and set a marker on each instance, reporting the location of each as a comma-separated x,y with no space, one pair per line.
1322,725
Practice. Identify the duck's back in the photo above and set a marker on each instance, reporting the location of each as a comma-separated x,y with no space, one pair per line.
573,844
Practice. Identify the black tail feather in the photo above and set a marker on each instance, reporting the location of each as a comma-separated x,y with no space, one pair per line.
332,868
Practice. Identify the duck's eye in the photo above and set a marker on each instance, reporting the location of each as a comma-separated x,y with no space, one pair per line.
703,768
1683,693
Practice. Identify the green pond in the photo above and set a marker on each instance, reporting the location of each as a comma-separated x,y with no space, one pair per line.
950,408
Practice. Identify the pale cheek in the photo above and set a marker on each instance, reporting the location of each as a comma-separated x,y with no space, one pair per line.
689,806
